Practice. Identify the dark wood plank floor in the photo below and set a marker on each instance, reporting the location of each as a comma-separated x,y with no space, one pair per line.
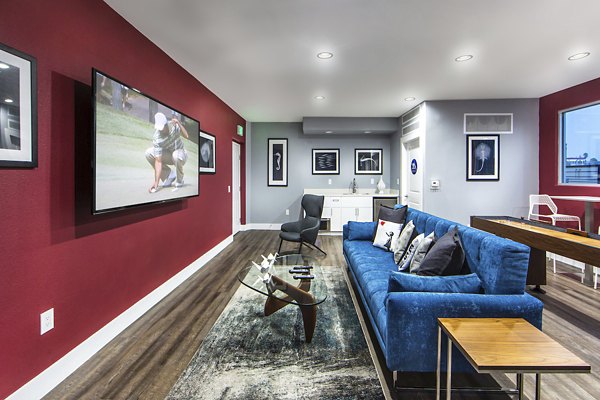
147,358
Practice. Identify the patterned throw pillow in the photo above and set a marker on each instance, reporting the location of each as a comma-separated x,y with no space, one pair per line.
404,239
386,234
404,264
421,252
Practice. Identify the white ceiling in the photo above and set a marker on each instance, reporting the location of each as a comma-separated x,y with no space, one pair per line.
259,56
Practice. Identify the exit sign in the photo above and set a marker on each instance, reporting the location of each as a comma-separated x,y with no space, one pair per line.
240,130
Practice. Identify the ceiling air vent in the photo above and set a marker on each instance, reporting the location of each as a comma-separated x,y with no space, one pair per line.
488,123
411,115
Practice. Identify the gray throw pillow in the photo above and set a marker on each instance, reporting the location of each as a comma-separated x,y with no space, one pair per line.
421,252
404,263
404,239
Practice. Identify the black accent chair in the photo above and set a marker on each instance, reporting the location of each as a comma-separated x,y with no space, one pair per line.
305,230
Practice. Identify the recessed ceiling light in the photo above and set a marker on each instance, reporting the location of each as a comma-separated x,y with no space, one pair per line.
320,97
328,131
465,57
4,66
579,56
367,131
410,98
324,55
8,100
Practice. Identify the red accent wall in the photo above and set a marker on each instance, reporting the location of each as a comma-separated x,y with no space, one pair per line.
550,106
54,252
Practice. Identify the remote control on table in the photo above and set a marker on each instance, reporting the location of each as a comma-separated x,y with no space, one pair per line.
299,271
303,276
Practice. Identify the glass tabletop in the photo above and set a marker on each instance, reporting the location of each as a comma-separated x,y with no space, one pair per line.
287,279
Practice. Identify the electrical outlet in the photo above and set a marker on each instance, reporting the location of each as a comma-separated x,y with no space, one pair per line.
329,181
372,181
228,189
287,211
397,181
46,321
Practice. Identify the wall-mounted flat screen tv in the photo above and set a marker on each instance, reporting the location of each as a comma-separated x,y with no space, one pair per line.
143,150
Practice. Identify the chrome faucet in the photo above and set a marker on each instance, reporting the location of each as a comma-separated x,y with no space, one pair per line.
353,185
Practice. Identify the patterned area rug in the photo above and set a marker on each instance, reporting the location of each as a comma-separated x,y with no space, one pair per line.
249,356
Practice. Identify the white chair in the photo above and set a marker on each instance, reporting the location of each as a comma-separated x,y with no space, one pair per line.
543,201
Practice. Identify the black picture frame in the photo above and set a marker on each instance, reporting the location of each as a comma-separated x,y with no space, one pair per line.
277,163
368,161
207,148
483,157
325,161
18,103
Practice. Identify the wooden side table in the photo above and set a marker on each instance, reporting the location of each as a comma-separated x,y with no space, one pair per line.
506,345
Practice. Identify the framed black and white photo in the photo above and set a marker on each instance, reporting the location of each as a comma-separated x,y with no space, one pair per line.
277,163
18,109
483,158
326,161
208,153
368,161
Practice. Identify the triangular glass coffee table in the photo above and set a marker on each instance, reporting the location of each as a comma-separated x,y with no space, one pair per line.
291,279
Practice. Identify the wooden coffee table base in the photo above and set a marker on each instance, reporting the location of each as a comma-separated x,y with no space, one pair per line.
301,295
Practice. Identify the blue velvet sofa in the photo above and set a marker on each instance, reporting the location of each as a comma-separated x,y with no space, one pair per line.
405,323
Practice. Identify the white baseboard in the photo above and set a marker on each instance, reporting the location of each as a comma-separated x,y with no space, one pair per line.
261,227
330,233
48,379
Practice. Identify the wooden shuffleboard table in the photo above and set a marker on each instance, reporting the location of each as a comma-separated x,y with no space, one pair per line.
542,237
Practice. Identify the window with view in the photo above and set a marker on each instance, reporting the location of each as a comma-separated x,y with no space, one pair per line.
580,145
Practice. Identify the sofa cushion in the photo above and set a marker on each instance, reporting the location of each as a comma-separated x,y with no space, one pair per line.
446,257
361,230
403,282
375,283
363,256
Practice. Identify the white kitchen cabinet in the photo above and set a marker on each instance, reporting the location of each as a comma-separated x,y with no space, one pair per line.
339,207
336,219
349,208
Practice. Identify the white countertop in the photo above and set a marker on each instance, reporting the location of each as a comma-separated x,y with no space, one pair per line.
360,192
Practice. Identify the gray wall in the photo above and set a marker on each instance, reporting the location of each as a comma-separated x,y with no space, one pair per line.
445,159
267,205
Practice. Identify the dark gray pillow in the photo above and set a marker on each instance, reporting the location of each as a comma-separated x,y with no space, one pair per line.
397,215
446,257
